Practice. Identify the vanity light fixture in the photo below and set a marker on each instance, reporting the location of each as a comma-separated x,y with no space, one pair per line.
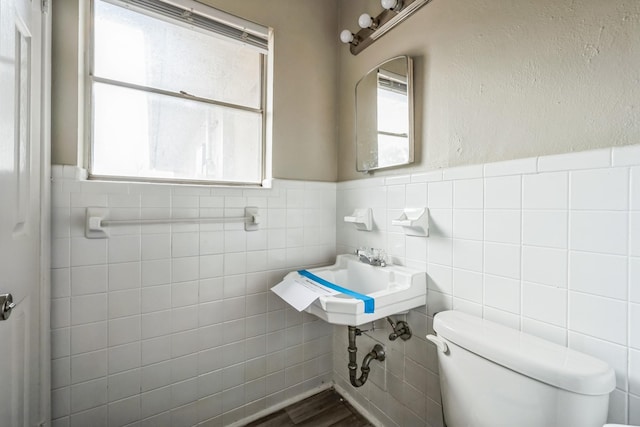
395,11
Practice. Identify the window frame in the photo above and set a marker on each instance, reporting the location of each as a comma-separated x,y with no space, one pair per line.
266,70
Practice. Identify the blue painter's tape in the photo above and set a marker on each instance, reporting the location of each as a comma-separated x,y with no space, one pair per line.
369,303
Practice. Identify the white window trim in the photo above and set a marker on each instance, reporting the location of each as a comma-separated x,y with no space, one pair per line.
85,51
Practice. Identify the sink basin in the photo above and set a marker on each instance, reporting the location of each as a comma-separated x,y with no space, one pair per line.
395,289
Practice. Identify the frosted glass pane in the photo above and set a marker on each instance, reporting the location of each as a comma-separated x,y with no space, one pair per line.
141,134
138,49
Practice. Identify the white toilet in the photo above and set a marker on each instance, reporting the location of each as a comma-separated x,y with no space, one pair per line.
494,376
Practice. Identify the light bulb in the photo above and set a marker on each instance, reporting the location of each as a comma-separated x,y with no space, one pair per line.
346,36
389,4
365,20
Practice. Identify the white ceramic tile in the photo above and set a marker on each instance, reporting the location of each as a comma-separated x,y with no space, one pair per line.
88,251
88,395
502,293
502,226
502,260
634,325
124,330
155,298
544,303
431,176
467,306
545,228
634,233
438,302
124,303
505,318
124,411
235,240
600,189
60,313
462,172
628,155
440,223
439,250
468,224
545,265
634,191
88,308
124,357
634,280
634,372
395,196
184,269
124,276
502,192
397,180
60,343
88,366
184,319
599,274
211,266
634,409
185,244
468,194
86,338
545,191
545,331
88,280
60,253
614,355
60,282
511,167
234,263
124,249
439,278
599,317
183,294
155,402
467,285
440,195
416,195
604,232
467,254
580,160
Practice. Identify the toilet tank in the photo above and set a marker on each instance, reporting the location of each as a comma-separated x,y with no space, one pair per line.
493,376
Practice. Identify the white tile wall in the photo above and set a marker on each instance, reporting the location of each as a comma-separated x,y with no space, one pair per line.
549,245
175,325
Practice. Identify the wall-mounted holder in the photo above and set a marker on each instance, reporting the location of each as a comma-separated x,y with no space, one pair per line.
362,218
414,222
97,222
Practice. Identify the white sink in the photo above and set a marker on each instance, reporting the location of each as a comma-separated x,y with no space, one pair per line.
395,289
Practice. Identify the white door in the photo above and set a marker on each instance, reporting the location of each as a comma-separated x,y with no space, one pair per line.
22,369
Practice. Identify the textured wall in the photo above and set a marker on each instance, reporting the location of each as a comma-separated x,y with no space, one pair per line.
502,80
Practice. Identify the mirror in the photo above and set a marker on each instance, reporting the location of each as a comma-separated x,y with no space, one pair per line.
384,116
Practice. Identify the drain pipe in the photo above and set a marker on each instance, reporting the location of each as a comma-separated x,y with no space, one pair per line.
377,353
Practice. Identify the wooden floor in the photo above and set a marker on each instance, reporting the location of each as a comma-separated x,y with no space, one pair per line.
324,409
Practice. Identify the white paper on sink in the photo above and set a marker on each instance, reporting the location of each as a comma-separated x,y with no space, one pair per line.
300,292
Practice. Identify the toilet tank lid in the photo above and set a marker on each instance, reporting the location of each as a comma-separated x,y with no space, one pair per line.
534,357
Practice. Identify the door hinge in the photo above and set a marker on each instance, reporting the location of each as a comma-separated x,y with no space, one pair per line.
45,6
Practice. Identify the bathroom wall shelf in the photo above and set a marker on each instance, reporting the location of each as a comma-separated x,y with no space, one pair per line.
414,222
97,221
362,218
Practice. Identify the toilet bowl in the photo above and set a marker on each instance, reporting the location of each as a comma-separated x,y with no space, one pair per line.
492,376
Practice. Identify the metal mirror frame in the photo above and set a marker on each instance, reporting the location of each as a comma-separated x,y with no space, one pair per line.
360,158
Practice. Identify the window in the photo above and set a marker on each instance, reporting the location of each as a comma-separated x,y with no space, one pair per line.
393,126
176,94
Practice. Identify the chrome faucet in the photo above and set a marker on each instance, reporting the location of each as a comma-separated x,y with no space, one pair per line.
371,256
